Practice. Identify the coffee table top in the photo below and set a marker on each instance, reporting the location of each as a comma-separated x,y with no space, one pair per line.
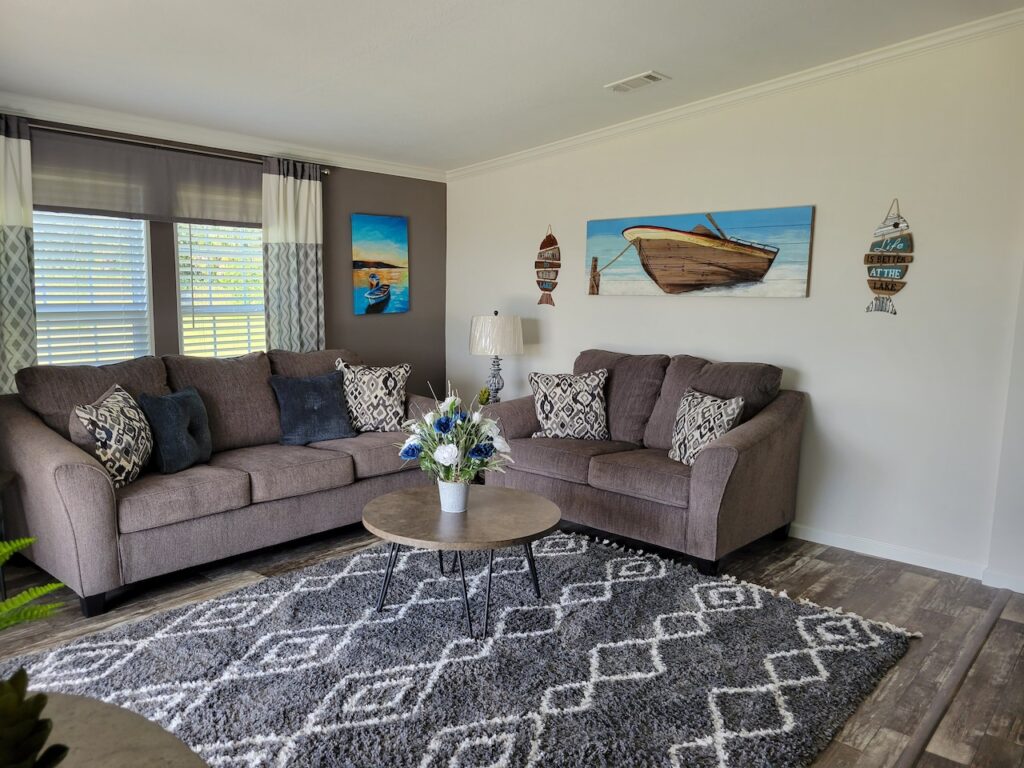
495,518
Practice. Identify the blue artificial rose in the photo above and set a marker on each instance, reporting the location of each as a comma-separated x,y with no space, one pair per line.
444,425
410,452
481,451
460,416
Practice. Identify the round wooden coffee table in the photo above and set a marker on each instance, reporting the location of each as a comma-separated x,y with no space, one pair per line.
496,518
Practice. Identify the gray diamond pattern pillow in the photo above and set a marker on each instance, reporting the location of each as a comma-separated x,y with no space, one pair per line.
375,396
114,430
700,419
571,406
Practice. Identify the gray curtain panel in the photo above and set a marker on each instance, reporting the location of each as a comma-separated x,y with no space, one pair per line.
17,269
293,258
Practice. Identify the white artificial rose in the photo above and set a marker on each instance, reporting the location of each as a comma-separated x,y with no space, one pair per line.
501,444
447,455
477,416
449,402
491,428
430,418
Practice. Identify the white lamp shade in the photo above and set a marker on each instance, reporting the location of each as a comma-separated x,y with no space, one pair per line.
499,335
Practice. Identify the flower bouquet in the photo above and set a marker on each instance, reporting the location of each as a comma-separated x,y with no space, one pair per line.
454,445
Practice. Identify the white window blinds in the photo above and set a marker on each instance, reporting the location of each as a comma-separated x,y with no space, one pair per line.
92,288
220,281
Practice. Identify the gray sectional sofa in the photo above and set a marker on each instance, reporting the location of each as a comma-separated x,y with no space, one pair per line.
253,493
740,488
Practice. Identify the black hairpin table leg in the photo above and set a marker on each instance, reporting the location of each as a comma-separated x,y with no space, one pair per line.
392,559
487,594
440,560
533,568
465,595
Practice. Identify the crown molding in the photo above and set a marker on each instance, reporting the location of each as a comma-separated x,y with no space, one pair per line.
973,30
123,122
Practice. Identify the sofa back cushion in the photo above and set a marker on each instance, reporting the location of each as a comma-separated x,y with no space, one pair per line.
634,384
53,391
757,383
236,391
306,364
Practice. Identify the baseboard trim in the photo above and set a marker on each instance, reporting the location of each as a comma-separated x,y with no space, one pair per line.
1003,580
889,551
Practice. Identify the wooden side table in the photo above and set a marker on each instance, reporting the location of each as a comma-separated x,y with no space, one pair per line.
6,479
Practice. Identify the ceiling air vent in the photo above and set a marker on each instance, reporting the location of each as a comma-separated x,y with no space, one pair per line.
637,81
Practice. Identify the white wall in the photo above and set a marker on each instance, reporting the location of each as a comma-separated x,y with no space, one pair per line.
902,448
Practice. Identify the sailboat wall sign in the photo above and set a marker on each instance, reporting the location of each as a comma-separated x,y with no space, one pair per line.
888,259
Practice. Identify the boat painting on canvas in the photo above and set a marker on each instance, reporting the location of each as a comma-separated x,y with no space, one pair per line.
763,252
380,264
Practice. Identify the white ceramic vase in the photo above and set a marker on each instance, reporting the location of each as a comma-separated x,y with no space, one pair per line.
453,496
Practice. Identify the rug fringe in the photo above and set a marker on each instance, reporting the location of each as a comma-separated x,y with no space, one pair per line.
777,593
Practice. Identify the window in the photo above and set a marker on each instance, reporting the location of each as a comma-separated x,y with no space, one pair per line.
92,288
220,281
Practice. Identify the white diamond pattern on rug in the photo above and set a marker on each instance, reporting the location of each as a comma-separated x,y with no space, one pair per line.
624,654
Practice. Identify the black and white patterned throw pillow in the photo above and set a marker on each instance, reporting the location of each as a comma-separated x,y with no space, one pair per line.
700,419
571,406
114,430
375,396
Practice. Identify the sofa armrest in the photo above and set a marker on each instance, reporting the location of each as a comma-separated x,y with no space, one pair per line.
63,498
517,418
743,485
416,406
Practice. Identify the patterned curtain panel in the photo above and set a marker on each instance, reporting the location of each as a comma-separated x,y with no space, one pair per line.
293,258
17,282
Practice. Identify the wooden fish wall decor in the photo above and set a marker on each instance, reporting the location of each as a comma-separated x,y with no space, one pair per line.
549,261
890,256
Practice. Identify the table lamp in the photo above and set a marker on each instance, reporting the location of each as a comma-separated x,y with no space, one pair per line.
496,335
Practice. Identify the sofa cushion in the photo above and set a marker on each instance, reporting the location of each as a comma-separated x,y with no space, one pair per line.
375,395
282,471
285,363
237,394
114,430
181,430
701,420
373,453
155,500
312,408
757,383
571,406
564,458
53,391
634,383
647,473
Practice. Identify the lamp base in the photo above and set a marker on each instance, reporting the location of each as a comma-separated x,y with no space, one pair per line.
494,381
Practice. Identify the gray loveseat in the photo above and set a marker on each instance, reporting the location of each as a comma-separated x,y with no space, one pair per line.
253,493
740,488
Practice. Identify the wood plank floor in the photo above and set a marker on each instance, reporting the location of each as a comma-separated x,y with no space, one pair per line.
983,726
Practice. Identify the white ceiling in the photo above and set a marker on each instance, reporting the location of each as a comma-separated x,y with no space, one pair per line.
434,83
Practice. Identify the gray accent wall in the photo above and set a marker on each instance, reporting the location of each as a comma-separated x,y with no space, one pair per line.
417,336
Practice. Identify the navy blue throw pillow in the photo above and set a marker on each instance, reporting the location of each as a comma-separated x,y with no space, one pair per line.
312,408
181,429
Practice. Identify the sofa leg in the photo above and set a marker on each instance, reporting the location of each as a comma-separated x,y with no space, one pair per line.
780,534
706,567
93,605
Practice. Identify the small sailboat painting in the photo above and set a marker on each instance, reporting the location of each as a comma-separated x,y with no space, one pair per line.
763,252
380,264
888,259
547,264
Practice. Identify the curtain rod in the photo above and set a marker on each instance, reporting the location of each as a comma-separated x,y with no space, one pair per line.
145,142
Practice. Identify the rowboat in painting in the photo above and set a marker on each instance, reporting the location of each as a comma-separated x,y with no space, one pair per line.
679,261
378,295
547,264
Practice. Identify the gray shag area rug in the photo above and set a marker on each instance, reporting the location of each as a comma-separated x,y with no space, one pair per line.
627,660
